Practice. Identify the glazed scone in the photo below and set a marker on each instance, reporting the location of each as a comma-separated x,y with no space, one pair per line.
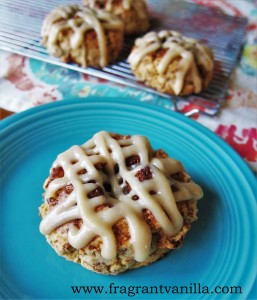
133,13
172,63
82,35
115,204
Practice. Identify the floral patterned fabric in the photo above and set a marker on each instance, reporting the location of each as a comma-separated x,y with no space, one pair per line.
26,83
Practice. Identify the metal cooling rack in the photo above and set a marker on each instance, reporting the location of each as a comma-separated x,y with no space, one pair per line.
21,21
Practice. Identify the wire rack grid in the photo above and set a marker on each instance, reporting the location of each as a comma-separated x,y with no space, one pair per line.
21,21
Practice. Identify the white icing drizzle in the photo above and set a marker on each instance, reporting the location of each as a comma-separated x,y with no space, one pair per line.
178,46
126,4
103,148
79,20
111,6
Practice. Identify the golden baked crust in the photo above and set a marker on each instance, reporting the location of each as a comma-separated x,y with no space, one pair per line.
188,70
132,12
83,36
90,256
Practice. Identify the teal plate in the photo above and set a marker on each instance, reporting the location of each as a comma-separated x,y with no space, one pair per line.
219,252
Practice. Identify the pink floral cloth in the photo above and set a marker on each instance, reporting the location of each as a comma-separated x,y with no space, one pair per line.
26,83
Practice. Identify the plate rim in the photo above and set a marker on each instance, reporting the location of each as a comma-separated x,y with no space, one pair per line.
10,121
13,120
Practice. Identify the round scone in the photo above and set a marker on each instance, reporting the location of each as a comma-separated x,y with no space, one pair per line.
172,63
115,204
83,35
133,13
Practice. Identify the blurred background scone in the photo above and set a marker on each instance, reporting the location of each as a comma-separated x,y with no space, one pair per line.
172,63
133,13
82,35
115,204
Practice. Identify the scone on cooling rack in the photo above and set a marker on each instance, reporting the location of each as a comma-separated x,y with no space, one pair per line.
172,63
133,13
82,35
115,204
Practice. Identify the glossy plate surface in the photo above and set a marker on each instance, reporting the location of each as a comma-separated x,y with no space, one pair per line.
220,250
